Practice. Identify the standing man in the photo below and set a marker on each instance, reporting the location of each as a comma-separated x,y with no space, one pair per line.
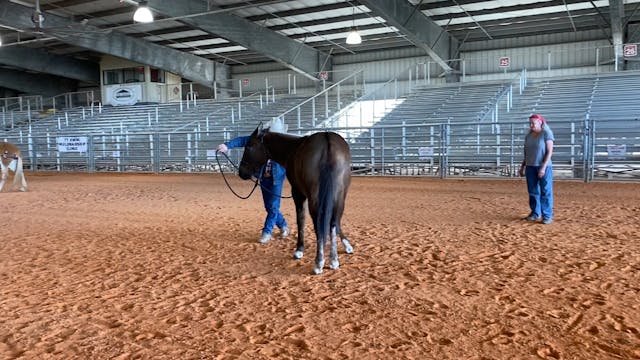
536,167
271,183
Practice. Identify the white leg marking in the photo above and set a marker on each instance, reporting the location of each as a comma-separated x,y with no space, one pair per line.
334,264
347,246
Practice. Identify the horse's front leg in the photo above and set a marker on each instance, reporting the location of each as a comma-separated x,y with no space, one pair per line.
299,200
5,173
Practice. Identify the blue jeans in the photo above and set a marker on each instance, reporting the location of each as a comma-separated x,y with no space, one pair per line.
540,192
271,191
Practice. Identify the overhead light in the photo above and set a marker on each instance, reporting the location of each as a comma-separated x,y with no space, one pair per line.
354,37
143,13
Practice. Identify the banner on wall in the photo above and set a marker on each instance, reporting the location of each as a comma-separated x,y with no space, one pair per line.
72,144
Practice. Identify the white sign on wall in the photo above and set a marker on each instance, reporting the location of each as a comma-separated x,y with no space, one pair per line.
504,61
617,152
425,153
630,50
72,144
124,94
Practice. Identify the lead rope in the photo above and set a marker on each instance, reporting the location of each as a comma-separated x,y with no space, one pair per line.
227,182
256,181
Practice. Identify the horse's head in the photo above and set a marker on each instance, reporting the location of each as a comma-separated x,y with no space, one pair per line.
255,154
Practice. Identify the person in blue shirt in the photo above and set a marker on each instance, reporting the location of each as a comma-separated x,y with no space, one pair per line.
271,183
536,167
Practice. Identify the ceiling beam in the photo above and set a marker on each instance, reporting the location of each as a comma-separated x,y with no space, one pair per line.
616,13
189,66
418,28
293,54
44,62
36,84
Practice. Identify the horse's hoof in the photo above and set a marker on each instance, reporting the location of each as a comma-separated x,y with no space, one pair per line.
298,255
334,265
317,271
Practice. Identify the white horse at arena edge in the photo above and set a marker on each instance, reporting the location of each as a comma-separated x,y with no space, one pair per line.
11,157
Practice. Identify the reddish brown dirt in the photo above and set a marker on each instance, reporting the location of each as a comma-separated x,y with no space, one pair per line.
109,266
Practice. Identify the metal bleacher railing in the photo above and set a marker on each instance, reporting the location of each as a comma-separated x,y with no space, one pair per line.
466,129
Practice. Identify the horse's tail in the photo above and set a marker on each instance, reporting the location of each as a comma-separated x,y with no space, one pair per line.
326,200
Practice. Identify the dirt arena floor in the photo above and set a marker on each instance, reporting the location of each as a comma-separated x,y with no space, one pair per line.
143,266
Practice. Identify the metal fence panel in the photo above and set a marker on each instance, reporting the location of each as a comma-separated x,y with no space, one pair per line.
587,150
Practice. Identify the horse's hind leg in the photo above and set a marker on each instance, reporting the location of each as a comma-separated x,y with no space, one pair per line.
334,263
319,266
345,242
299,200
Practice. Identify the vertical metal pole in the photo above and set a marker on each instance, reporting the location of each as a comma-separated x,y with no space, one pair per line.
372,150
152,153
189,152
404,140
156,139
193,99
91,158
464,70
426,72
326,104
313,111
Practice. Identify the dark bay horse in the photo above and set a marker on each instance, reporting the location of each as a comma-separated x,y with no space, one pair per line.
319,171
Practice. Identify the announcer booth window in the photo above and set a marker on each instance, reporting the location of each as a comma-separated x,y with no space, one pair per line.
157,75
113,77
132,75
123,76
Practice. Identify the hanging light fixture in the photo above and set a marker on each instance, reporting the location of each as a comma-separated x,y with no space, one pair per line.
354,37
143,13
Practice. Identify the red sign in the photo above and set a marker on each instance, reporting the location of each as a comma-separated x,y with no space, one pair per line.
504,61
245,82
630,50
323,75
